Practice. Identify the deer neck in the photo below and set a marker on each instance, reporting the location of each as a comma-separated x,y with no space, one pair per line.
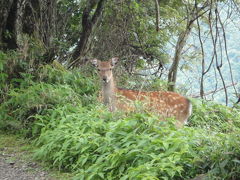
109,94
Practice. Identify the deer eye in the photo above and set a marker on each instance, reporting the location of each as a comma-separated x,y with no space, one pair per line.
98,69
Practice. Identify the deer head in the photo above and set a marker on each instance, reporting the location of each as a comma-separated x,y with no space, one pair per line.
105,68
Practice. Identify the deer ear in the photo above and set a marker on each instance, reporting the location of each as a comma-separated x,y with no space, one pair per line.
94,62
114,61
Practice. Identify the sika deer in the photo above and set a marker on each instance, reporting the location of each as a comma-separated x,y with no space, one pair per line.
166,104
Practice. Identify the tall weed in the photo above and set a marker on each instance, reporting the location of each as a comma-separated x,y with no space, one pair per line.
17,112
86,87
97,144
215,117
3,76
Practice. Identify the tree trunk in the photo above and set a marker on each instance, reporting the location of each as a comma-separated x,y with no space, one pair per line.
5,6
88,24
172,75
32,17
48,26
157,15
39,18
8,34
193,15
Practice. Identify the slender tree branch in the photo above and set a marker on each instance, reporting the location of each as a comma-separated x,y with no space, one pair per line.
157,15
215,91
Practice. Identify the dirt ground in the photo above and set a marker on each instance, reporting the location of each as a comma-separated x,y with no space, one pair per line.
12,167
17,162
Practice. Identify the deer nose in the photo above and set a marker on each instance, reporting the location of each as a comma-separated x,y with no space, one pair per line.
105,79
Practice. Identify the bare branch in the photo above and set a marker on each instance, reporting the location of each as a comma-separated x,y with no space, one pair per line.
214,91
157,15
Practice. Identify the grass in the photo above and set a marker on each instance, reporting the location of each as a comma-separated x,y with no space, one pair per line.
11,143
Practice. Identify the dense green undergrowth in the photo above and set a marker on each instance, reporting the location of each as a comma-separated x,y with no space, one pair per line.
59,111
97,144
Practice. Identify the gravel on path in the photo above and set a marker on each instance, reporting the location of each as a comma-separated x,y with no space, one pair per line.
14,168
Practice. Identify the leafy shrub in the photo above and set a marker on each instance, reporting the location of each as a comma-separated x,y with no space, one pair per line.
3,75
17,70
216,117
47,88
97,144
220,155
15,66
86,87
17,112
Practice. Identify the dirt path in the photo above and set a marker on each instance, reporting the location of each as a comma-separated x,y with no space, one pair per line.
17,163
12,167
